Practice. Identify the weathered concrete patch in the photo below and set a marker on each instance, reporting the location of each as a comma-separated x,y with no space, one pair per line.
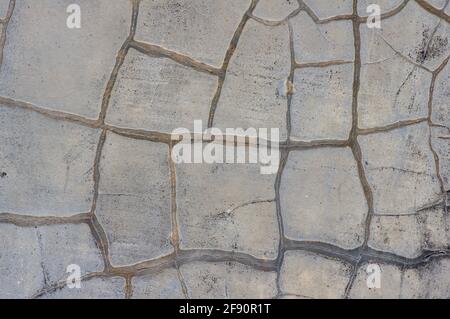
20,262
251,94
46,164
64,245
95,288
162,285
134,199
275,10
223,215
322,103
61,68
423,40
324,42
410,235
314,197
158,94
327,9
313,276
228,280
392,90
428,281
400,169
200,29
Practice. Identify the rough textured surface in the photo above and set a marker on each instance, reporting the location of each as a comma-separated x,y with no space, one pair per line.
223,214
314,200
321,43
322,111
275,10
201,29
59,68
399,163
251,94
86,176
134,199
162,285
95,288
310,276
144,96
228,280
46,164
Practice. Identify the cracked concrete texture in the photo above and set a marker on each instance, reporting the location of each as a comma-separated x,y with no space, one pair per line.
86,175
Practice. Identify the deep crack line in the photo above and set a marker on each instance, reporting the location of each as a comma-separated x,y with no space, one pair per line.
229,54
4,28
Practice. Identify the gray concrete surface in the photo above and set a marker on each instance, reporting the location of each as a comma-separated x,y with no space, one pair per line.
86,176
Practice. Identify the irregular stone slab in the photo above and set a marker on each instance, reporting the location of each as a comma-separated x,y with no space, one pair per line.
321,107
200,29
134,199
95,288
314,197
61,68
396,234
324,42
222,215
327,9
385,6
392,90
390,283
416,34
253,93
313,276
46,164
430,281
159,94
440,138
400,169
162,285
228,280
20,262
64,245
275,10
441,93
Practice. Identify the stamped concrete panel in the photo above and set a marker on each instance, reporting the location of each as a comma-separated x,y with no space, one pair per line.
322,103
161,285
254,91
312,276
401,170
46,164
134,203
159,94
228,280
318,208
60,68
324,42
224,215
